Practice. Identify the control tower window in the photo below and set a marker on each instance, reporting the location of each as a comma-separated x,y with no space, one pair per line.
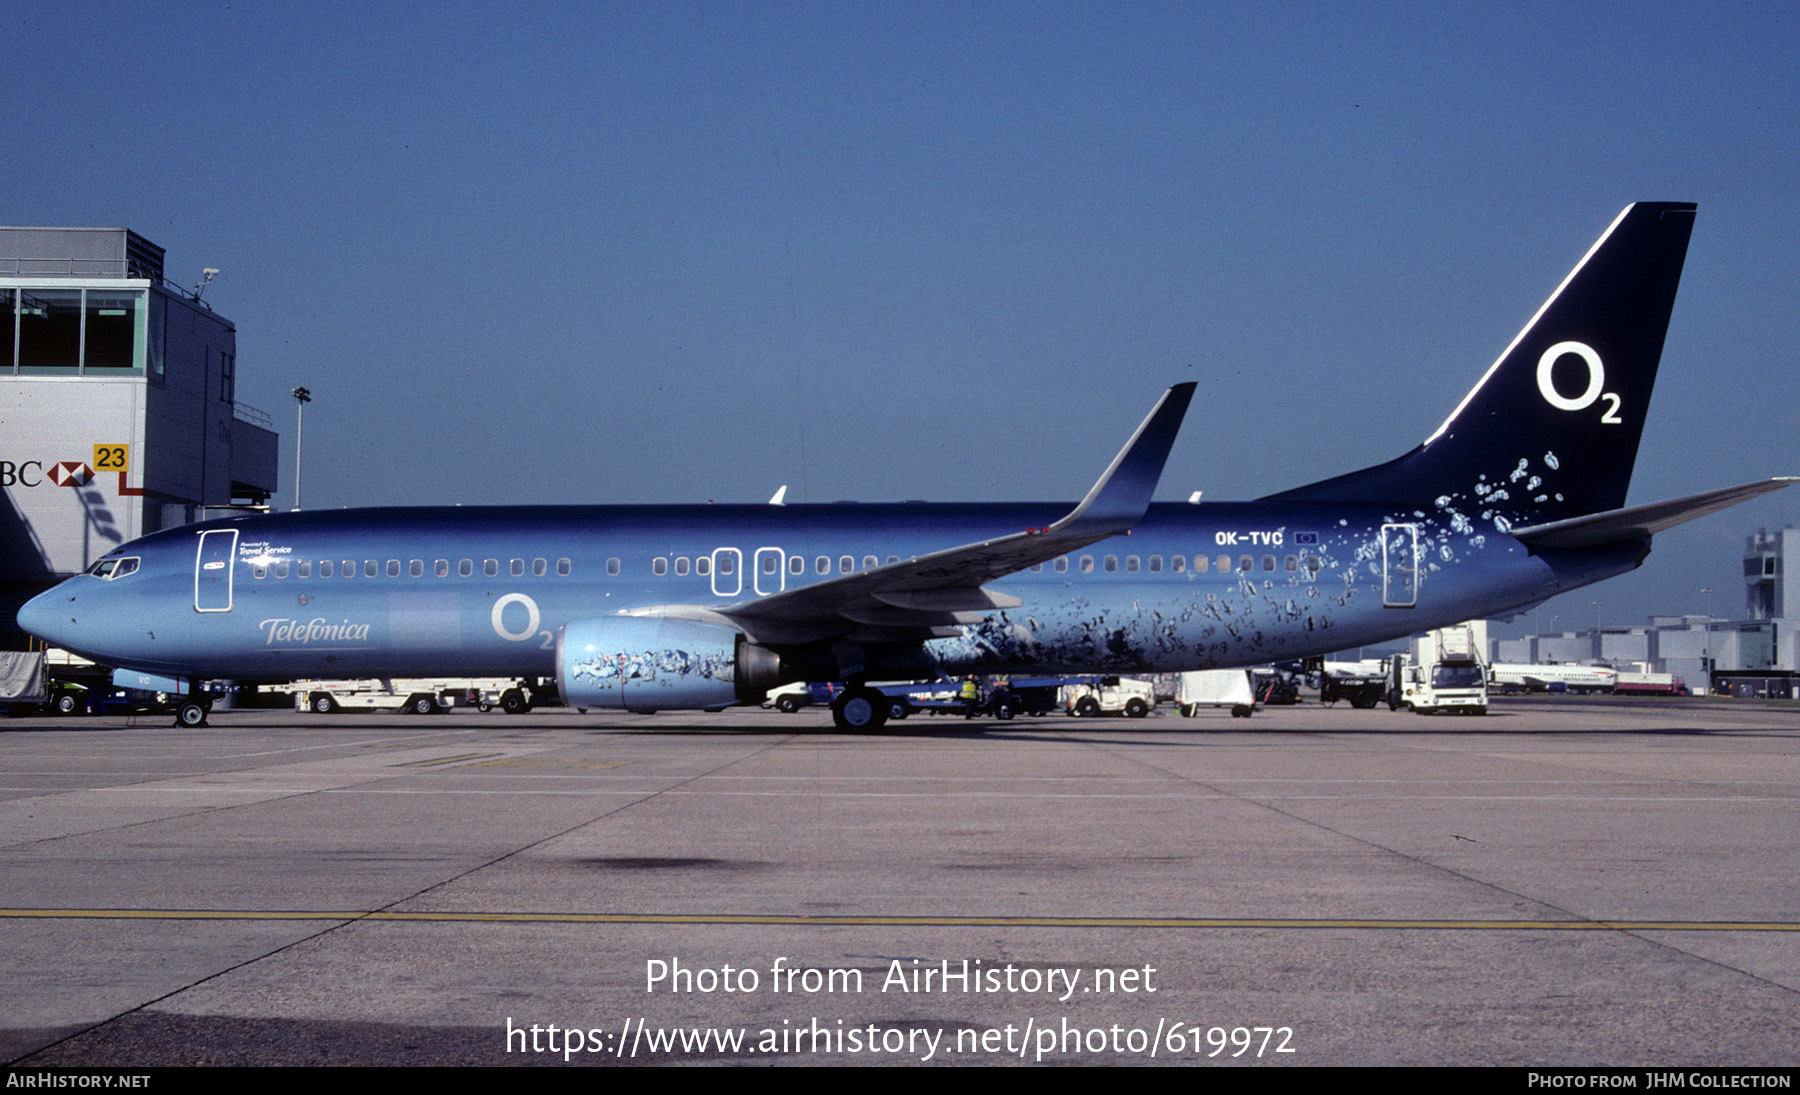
62,332
114,323
49,331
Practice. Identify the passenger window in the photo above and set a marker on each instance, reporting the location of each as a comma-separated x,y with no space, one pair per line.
870,562
490,567
822,564
562,567
281,568
1037,568
1292,564
796,565
306,568
1178,563
1314,563
1225,563
1246,563
1269,562
371,568
612,568
681,566
770,563
416,568
466,568
349,568
1156,564
518,568
703,566
727,563
659,566
325,568
539,567
893,559
393,568
847,564
1111,563
1087,564
1201,564
261,570
1131,564
441,568
1061,565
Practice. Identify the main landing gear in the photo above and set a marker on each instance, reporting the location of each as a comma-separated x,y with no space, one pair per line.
860,710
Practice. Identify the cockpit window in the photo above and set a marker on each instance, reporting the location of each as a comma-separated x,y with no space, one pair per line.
114,569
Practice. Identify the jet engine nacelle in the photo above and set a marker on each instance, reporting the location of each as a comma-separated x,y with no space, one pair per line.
653,663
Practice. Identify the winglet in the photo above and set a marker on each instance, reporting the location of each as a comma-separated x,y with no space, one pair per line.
1122,494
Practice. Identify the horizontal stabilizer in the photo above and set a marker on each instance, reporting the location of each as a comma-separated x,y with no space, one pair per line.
1639,522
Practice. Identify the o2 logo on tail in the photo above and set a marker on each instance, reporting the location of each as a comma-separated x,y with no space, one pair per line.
1596,375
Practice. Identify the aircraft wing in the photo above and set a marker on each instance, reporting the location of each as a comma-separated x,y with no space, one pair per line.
930,595
1640,522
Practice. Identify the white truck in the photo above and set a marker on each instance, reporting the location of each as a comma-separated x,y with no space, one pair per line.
1109,696
1444,672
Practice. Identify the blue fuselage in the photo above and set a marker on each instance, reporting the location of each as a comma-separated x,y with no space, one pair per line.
443,591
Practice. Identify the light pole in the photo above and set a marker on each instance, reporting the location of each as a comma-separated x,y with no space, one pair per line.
301,398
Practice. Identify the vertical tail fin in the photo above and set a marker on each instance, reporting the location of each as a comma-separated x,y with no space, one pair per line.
1552,429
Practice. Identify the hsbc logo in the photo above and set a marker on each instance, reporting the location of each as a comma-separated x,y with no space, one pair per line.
31,473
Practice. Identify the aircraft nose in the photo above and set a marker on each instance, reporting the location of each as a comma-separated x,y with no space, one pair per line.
50,616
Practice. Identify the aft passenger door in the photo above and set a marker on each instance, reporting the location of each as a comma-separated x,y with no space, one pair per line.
212,571
1399,566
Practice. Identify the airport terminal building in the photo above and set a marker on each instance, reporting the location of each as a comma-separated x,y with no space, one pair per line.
118,409
1762,648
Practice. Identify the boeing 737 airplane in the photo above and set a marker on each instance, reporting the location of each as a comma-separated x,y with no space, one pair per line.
1515,498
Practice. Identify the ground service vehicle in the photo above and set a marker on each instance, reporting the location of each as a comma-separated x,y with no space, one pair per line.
1216,688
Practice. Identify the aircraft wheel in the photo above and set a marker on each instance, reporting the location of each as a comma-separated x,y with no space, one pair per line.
859,711
322,704
1136,708
191,714
788,704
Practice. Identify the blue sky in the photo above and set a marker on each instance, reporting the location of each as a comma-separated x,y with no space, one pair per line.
686,251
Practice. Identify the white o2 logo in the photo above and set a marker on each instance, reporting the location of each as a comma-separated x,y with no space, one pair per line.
1596,375
531,617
